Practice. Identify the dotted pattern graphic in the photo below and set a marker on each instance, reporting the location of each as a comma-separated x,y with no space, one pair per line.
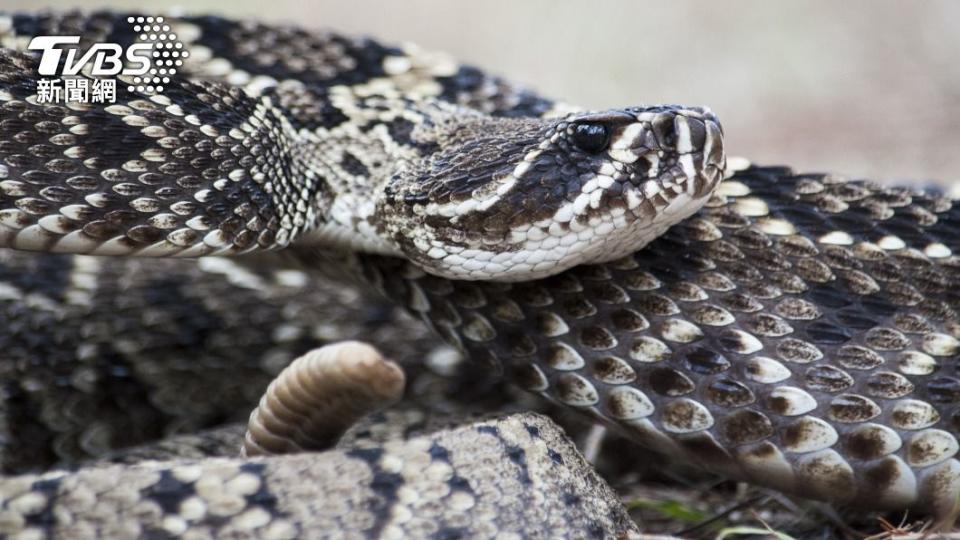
167,56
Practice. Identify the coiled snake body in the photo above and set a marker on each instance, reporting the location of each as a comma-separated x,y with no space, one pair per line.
799,331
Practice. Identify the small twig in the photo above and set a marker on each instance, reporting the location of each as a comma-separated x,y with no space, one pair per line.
720,515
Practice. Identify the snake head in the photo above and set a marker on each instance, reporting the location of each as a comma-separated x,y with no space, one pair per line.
515,199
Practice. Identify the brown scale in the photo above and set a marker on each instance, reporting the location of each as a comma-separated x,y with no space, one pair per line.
808,346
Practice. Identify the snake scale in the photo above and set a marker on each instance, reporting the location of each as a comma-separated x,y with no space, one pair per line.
798,331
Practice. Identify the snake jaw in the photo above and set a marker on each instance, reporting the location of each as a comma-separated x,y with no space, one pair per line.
511,200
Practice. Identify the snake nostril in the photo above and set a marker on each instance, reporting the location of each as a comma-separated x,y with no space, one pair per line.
665,130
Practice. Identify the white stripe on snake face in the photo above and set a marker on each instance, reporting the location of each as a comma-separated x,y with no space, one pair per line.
708,145
546,244
684,144
482,198
628,136
686,162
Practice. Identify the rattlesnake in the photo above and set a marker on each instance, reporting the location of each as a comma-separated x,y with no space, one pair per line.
799,332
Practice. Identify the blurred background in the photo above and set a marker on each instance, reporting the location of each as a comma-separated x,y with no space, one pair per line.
866,88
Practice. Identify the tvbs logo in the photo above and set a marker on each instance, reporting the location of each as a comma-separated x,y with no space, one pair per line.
107,58
146,65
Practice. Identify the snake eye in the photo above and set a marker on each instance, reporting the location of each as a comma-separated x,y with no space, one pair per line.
591,138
